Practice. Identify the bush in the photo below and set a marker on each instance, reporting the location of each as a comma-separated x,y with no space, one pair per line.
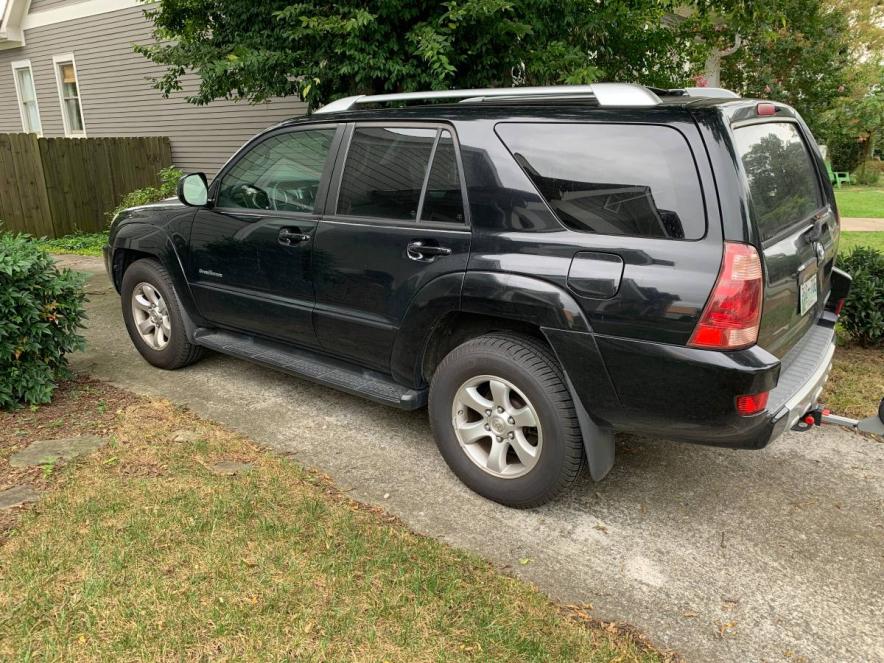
867,173
41,309
169,177
863,314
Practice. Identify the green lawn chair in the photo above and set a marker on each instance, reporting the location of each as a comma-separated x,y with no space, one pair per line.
836,177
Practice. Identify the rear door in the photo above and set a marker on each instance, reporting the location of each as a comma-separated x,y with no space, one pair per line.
395,221
796,226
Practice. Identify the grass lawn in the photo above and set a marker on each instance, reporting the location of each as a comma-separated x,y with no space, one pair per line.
856,383
850,239
860,201
139,551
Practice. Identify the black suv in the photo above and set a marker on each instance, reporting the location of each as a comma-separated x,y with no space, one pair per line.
543,267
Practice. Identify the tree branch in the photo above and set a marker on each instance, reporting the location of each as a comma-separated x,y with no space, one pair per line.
738,41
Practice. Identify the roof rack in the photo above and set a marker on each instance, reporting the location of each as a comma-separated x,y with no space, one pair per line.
606,94
709,92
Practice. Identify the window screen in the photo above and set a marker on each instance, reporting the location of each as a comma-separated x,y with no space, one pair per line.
385,172
444,198
612,179
783,185
280,173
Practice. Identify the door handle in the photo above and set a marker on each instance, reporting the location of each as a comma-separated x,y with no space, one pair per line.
289,236
417,250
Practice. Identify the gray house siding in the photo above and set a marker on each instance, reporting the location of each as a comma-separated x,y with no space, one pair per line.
117,98
42,5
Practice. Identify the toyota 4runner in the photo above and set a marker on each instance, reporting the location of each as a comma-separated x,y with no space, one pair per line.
541,267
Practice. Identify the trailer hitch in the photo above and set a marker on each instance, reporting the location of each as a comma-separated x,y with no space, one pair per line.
819,416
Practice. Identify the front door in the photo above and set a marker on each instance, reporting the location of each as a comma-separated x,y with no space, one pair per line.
250,258
394,223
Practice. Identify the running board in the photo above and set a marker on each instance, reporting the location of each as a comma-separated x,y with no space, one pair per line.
313,366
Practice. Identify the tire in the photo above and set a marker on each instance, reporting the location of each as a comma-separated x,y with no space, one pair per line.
531,379
172,349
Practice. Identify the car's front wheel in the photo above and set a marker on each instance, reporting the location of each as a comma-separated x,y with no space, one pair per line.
504,420
153,316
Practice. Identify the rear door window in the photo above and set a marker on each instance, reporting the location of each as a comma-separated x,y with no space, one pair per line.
385,172
612,179
389,175
783,184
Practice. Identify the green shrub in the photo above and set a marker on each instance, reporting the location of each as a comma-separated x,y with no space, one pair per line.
867,173
169,177
863,314
41,309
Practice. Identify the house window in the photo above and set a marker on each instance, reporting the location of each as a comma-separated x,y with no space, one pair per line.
69,93
27,97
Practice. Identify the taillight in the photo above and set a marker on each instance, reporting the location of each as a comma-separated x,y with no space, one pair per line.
839,305
732,314
752,403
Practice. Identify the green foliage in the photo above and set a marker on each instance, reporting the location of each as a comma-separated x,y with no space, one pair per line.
41,309
853,124
169,177
319,50
863,314
82,244
867,174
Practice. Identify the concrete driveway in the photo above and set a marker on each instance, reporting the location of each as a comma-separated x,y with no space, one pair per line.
721,555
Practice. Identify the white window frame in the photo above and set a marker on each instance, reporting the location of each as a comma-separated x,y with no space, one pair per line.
16,67
57,61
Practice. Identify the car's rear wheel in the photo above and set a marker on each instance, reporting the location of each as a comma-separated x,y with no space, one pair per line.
153,316
504,420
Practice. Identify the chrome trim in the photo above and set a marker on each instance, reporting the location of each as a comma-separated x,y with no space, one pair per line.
607,94
806,399
715,92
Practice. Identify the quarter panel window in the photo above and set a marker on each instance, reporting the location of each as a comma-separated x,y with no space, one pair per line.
281,173
443,201
783,185
612,179
385,172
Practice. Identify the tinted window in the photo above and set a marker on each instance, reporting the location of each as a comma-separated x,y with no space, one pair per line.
783,185
385,172
444,198
612,179
281,173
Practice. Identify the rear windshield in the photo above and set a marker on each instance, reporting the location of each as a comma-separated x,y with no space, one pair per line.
783,185
612,179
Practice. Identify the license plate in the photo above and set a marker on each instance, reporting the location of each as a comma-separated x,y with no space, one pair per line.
807,294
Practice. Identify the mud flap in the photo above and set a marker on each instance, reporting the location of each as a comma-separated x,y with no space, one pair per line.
598,442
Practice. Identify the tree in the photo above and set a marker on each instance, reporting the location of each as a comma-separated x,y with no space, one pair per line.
319,50
858,120
794,51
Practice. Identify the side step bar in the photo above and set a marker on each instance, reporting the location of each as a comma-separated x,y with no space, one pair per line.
313,366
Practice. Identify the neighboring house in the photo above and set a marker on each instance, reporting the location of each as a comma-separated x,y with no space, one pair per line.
67,69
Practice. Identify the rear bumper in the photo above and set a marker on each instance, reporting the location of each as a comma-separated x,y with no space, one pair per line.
689,394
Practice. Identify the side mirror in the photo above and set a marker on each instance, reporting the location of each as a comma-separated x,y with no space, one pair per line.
193,190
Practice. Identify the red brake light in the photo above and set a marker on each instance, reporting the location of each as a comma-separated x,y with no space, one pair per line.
732,314
839,305
765,109
751,404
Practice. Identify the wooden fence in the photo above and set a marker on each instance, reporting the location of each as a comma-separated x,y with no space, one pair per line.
57,186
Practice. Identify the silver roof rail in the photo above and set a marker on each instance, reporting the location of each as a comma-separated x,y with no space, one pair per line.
606,94
716,92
